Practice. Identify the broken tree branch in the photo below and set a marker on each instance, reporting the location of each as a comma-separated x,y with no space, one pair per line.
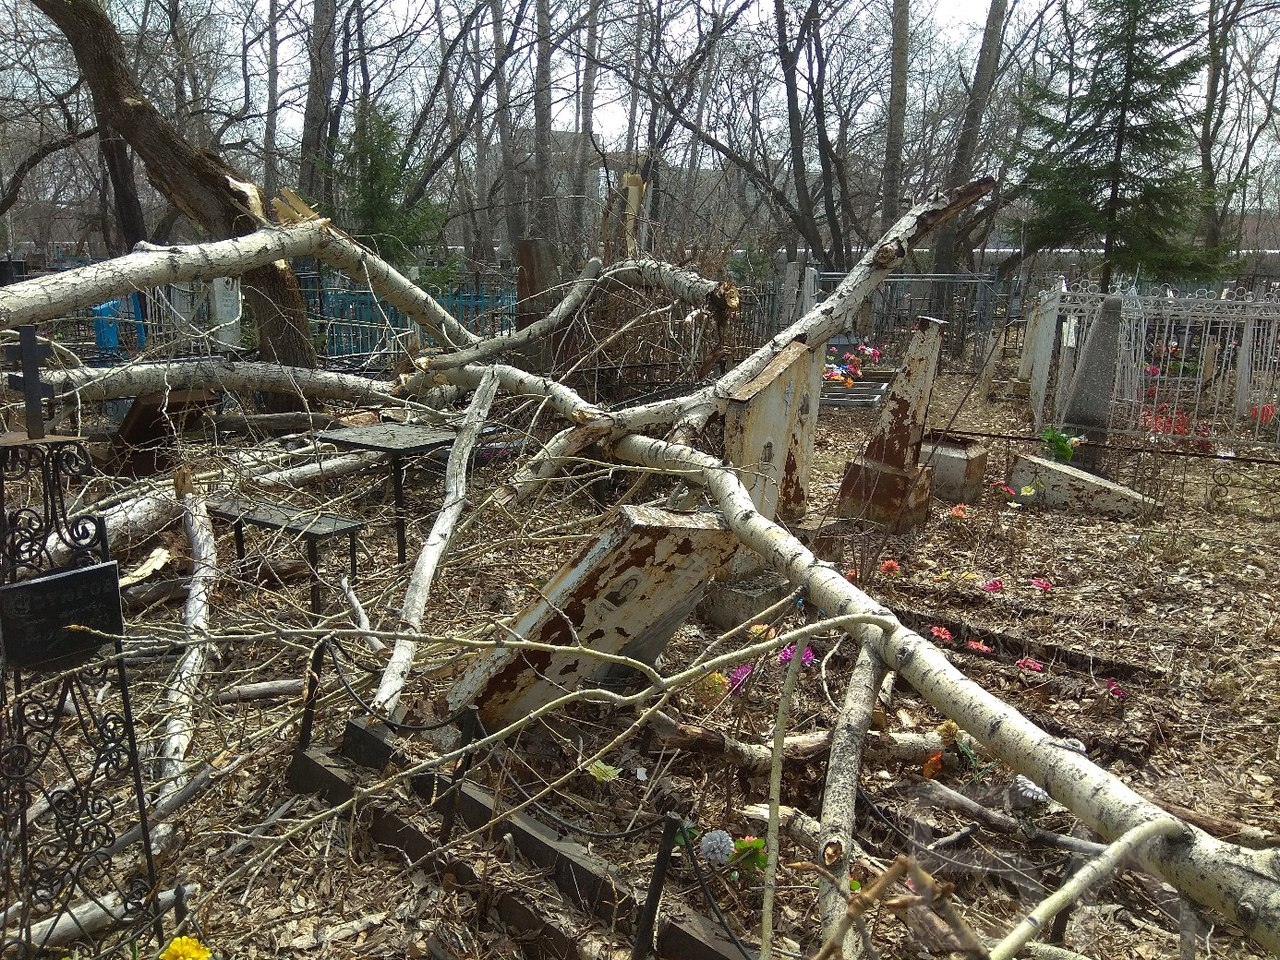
486,350
840,793
1240,884
1091,873
419,589
184,688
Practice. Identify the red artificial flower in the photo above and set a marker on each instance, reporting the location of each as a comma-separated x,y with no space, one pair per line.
994,585
941,634
1035,666
890,568
977,646
1041,584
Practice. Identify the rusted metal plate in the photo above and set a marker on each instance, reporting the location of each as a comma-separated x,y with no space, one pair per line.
876,492
626,593
895,439
769,431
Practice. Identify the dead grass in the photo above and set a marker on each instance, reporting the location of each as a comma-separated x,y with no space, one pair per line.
1179,610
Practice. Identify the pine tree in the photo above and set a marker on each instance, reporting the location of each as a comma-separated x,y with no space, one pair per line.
1112,162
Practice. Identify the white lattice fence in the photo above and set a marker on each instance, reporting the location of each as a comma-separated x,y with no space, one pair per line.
1203,369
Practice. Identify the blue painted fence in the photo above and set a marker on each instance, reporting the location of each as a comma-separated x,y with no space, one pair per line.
351,324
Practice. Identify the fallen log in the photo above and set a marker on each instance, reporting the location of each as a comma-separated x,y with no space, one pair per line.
1238,883
396,672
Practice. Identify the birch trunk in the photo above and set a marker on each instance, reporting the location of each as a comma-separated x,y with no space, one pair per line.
185,687
44,298
1242,885
397,670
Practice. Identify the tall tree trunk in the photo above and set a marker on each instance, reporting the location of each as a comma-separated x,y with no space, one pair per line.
124,189
543,192
583,220
944,247
513,201
891,178
826,153
315,114
789,57
210,192
633,106
270,156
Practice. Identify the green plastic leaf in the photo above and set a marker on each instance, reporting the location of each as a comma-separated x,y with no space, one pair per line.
603,771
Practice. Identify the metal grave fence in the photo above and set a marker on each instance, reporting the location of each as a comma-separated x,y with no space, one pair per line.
1202,369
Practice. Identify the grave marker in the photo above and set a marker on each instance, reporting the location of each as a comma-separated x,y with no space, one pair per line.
626,593
68,787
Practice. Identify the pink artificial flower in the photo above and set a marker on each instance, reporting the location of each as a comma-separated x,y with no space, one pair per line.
941,634
890,568
994,585
1035,666
738,679
1041,584
977,646
789,651
1115,690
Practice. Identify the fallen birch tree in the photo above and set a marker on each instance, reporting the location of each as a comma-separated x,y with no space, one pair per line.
1242,885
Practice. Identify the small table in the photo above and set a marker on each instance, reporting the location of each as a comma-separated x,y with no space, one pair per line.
399,441
312,527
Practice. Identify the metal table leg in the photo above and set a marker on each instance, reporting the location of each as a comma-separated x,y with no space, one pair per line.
397,486
313,562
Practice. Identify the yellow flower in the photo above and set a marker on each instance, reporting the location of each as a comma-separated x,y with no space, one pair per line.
1028,491
186,948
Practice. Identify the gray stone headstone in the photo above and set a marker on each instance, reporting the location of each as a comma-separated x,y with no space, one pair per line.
1088,404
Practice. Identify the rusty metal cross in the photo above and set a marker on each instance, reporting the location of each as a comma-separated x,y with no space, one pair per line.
28,353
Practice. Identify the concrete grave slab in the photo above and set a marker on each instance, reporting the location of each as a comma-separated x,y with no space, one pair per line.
1060,486
959,466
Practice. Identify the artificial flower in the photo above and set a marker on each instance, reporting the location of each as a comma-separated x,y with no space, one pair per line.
186,948
789,651
959,512
1029,490
1035,666
941,634
738,678
890,568
977,646
1041,584
994,585
716,847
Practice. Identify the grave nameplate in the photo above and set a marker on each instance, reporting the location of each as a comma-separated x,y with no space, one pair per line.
37,617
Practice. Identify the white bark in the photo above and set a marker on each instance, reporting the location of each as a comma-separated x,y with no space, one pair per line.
1243,885
44,298
579,294
129,523
1092,872
92,384
840,792
185,686
396,673
263,690
360,618
326,468
94,916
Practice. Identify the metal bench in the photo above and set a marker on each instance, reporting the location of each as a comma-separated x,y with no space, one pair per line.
312,527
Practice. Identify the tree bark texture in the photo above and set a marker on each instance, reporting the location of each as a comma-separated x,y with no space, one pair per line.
199,183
